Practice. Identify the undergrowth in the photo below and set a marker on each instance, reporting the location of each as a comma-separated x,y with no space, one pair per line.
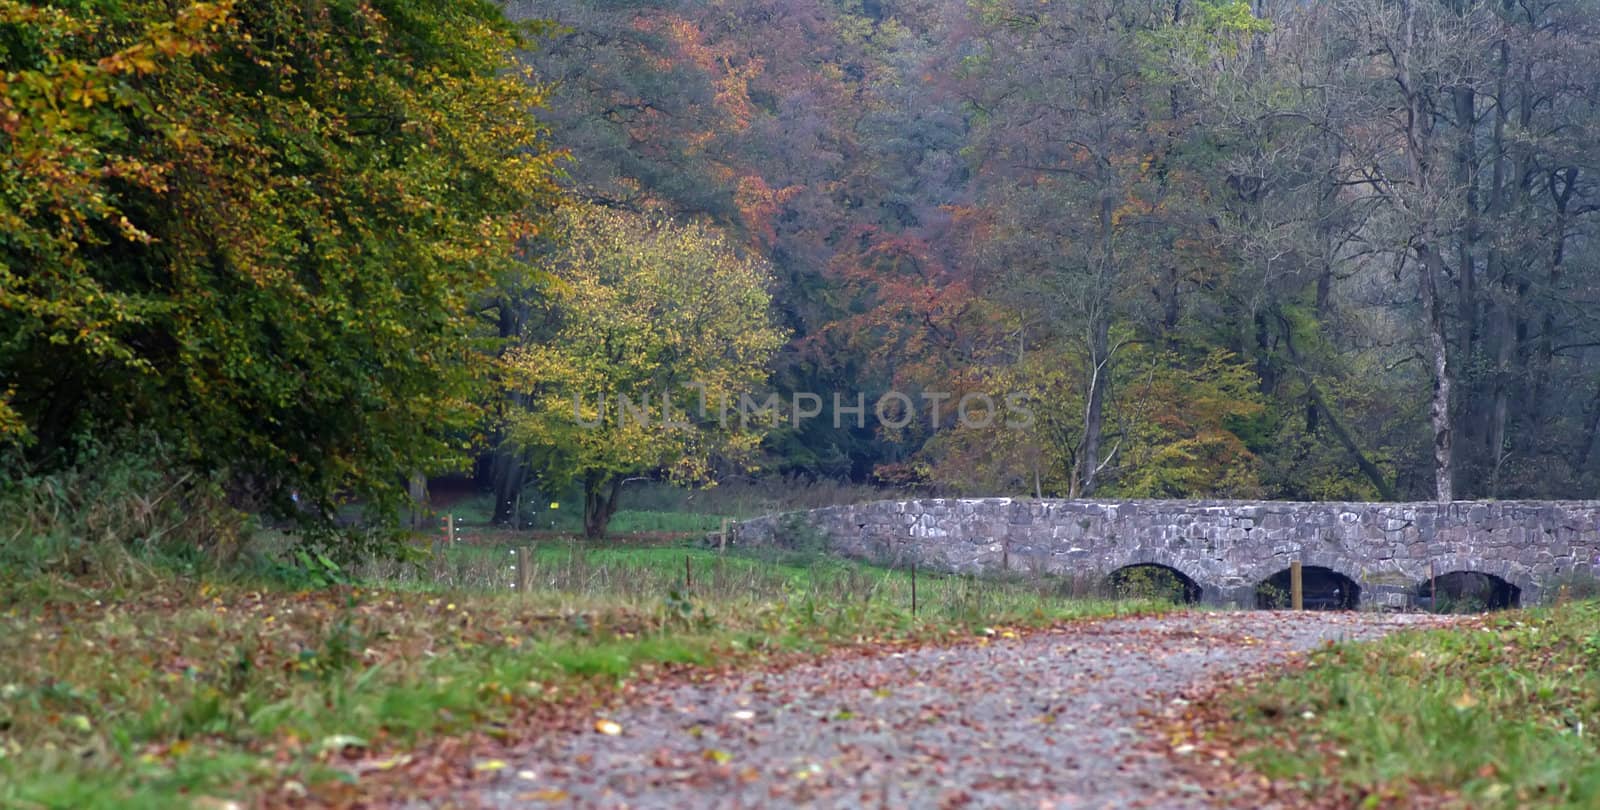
1502,715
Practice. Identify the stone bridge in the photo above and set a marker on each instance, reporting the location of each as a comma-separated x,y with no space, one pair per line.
1381,553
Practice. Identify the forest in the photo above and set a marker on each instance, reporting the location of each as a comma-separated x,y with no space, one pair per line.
304,257
1288,250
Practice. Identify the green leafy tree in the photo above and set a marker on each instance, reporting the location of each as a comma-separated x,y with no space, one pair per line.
649,336
257,229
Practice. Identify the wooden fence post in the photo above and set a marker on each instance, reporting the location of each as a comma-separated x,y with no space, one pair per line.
913,586
1297,591
525,569
722,539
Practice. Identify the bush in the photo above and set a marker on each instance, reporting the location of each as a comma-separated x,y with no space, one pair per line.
123,500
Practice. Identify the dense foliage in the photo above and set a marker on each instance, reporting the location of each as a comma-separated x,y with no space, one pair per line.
1303,250
1268,248
258,231
639,356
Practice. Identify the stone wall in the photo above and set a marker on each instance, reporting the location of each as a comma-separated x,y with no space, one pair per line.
1226,547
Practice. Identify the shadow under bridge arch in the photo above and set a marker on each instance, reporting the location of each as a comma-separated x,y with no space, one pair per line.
1149,580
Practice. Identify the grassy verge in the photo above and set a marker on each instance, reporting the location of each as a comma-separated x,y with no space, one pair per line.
156,690
1502,714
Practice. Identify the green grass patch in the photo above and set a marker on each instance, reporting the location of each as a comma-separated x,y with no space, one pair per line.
158,689
659,507
1506,714
568,517
628,521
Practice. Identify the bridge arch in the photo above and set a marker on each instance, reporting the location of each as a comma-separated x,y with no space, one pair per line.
1467,592
1154,580
1325,588
1162,558
1281,562
1511,573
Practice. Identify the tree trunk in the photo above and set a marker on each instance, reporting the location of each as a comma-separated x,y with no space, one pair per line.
508,464
1419,140
508,474
600,495
1495,441
1562,183
1439,406
1324,300
1466,159
1094,409
1475,420
417,488
1099,342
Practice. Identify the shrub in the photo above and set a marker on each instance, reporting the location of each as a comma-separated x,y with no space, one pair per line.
123,500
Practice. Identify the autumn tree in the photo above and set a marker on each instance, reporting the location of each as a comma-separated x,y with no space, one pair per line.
948,189
1440,125
651,341
257,229
1076,153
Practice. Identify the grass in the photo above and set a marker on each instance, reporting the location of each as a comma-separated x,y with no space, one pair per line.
568,518
1502,714
657,507
628,521
151,689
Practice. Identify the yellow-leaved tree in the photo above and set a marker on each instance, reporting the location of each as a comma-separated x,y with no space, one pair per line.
651,336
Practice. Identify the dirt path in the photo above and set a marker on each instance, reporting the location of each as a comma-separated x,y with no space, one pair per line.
1048,720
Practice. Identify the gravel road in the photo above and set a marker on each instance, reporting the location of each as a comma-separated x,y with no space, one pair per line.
1046,720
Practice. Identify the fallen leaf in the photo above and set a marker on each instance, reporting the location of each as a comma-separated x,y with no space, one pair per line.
546,795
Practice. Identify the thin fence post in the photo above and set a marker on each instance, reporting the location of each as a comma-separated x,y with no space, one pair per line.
722,539
913,586
688,574
1297,591
525,569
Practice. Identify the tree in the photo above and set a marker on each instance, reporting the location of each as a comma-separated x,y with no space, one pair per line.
935,182
638,358
1076,156
257,229
1450,123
